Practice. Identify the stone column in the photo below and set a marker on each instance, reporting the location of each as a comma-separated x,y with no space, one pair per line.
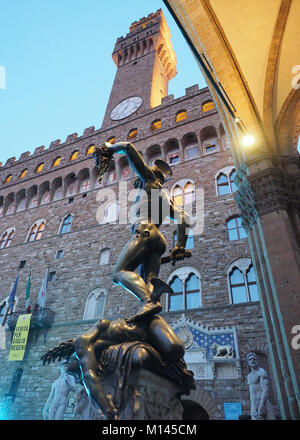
269,202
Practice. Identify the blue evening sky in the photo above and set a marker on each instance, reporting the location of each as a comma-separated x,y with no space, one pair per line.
59,71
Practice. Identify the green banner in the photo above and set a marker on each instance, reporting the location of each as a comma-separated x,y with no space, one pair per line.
19,342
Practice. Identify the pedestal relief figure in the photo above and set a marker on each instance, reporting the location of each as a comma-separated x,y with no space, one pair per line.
258,381
58,398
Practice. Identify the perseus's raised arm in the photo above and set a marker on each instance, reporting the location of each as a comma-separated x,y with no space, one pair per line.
135,158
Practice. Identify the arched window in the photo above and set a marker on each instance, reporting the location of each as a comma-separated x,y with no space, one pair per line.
8,178
188,193
192,289
57,161
177,195
94,307
223,185
104,256
185,283
235,229
74,155
242,281
207,106
183,192
133,133
36,231
176,299
91,149
225,181
156,125
181,116
6,238
66,224
39,168
23,173
233,186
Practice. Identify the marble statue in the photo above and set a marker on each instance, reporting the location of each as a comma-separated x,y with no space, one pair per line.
258,381
58,398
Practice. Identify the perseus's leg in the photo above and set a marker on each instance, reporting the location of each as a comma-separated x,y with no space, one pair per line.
133,254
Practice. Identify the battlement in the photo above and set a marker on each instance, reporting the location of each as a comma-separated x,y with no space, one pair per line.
144,22
89,131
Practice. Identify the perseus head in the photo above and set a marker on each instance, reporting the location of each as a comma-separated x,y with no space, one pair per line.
161,169
252,359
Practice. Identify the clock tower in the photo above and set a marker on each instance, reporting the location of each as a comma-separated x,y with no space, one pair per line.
145,63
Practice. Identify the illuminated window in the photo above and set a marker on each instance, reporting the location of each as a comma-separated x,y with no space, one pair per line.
74,155
66,224
183,193
181,116
133,133
57,161
177,195
6,238
39,168
235,229
156,125
112,140
23,174
242,282
208,106
36,231
8,179
91,149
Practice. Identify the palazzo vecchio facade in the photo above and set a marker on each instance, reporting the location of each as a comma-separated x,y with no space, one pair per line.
48,219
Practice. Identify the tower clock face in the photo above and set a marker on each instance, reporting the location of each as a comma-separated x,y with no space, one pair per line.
126,108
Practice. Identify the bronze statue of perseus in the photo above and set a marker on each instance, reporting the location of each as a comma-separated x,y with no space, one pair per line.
110,350
147,244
